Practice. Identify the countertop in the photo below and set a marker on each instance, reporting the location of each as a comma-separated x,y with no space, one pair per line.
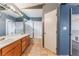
10,39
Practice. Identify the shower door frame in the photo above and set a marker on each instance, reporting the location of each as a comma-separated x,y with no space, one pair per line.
70,30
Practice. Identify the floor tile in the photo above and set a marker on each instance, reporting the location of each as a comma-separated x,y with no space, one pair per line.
36,49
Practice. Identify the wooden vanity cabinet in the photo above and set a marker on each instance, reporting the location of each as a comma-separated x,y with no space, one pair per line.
0,52
8,50
25,43
13,49
16,48
27,40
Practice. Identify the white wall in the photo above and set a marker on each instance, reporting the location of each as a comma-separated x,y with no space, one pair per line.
74,26
75,22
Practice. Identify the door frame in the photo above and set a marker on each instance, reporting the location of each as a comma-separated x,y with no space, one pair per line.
70,43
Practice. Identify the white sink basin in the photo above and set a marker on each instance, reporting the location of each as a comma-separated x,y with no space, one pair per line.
3,38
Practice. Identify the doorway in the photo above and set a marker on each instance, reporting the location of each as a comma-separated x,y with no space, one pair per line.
34,28
75,31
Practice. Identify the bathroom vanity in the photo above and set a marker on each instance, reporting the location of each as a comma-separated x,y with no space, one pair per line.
14,46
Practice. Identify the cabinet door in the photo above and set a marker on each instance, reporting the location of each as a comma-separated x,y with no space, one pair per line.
27,40
0,52
13,49
10,53
7,49
23,44
17,50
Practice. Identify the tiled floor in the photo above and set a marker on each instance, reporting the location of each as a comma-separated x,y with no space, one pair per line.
36,49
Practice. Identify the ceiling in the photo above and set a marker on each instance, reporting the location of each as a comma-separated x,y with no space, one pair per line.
26,5
28,12
27,8
9,12
23,7
33,12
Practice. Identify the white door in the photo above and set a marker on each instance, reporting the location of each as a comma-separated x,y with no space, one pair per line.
50,28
